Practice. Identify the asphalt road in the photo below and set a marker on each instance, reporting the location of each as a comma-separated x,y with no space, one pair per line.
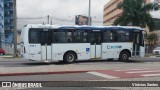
67,78
138,62
61,88
71,88
52,77
23,63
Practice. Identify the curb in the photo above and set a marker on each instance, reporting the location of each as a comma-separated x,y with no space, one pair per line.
154,56
40,73
6,56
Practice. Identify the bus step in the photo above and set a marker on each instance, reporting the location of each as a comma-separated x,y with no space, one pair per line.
96,59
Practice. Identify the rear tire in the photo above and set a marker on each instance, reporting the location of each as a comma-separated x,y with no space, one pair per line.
124,56
69,57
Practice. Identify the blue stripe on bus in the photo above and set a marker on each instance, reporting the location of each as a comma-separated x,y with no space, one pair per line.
98,28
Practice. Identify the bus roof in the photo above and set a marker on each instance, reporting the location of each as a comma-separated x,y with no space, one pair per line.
101,27
84,27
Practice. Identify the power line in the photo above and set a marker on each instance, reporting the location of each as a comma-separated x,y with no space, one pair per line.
44,17
53,18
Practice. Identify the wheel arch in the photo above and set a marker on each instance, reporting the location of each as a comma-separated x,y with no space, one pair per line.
72,52
129,52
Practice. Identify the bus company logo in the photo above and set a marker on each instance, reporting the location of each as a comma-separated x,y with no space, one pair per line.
6,84
113,47
108,47
87,49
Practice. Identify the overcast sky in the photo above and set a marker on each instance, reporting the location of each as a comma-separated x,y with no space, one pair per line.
61,9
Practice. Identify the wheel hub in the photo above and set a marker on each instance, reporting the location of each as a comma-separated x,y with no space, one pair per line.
124,56
70,57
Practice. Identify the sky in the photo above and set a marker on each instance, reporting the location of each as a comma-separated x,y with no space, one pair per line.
59,10
62,11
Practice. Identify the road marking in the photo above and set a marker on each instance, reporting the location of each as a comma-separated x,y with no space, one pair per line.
149,75
103,75
144,71
129,69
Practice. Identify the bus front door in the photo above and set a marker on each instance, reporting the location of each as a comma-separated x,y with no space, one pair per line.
46,39
96,45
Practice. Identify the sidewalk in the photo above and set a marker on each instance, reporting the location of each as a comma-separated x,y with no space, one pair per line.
150,55
6,56
154,56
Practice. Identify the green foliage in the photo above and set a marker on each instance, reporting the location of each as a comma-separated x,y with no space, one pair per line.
152,39
135,13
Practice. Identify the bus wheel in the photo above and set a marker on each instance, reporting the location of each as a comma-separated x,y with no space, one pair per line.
69,57
124,56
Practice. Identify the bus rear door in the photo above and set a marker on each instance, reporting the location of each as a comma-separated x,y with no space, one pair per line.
138,44
95,38
46,40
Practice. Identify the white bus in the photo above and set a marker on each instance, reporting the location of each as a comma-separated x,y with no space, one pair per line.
71,43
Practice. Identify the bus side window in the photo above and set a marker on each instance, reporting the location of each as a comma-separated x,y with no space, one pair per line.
62,36
123,35
69,40
85,36
79,36
91,38
53,37
107,36
69,36
57,37
131,36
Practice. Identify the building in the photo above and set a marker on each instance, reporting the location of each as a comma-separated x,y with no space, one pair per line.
6,22
2,38
111,12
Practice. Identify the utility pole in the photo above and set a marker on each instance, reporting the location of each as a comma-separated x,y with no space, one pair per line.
15,27
89,13
48,19
51,21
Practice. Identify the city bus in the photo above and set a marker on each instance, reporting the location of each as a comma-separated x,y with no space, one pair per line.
49,43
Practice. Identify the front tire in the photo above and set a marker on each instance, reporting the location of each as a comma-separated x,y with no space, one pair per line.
124,56
69,57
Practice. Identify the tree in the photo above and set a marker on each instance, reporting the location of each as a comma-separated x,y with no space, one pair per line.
136,13
151,39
